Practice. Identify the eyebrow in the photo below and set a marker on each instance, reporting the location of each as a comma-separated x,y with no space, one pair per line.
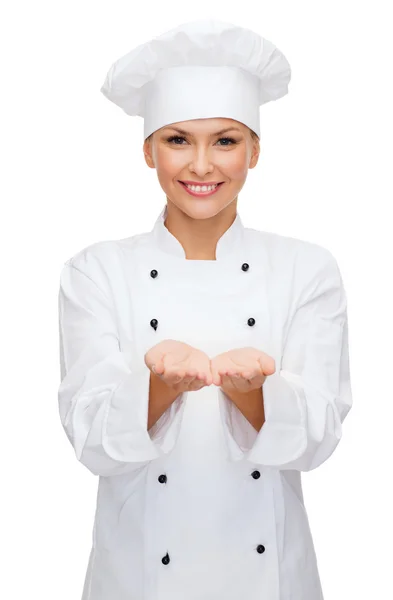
212,135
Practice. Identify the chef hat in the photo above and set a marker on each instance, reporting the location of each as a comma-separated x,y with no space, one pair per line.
198,70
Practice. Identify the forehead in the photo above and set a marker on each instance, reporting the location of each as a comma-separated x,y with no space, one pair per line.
208,126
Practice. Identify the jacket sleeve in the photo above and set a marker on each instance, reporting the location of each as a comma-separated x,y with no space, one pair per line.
104,393
307,399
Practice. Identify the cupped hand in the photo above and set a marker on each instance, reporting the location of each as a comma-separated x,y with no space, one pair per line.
181,366
241,369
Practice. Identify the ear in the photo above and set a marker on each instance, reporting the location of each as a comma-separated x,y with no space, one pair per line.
256,149
147,151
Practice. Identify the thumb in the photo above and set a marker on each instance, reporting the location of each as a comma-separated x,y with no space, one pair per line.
268,364
157,366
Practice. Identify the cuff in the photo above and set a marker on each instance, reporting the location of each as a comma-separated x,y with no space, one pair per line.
239,434
125,434
283,436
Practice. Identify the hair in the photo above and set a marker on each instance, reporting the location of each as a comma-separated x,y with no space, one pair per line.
254,136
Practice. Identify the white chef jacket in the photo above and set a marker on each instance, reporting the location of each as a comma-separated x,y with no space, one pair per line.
202,506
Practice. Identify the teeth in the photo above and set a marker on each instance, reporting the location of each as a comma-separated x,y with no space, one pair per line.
203,188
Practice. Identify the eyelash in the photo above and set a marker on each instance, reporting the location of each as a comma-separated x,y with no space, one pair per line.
178,137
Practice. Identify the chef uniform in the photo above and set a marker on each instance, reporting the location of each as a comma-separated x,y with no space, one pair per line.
202,506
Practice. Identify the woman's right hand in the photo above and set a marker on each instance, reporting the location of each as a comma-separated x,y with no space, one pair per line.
181,366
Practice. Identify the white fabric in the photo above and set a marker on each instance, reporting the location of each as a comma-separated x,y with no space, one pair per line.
191,92
210,514
199,69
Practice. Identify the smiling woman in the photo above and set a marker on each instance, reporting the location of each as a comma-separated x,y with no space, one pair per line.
200,494
194,162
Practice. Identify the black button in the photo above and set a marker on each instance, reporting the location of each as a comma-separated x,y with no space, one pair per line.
251,321
165,560
260,548
154,323
153,273
245,266
162,479
256,474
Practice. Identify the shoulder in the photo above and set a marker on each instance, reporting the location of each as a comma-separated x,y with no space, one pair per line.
104,254
301,260
92,260
283,246
103,262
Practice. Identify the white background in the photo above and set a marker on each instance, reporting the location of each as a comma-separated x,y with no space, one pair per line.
73,173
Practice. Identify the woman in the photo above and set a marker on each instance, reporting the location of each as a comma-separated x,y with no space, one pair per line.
204,364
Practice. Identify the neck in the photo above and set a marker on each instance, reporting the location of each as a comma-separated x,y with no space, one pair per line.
199,236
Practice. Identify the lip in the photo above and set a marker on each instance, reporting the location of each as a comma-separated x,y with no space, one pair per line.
201,194
200,182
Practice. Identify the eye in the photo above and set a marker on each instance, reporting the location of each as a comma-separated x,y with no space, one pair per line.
175,137
228,140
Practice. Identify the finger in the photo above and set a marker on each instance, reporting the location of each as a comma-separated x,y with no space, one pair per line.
197,384
248,375
186,376
230,372
225,380
158,368
190,376
236,375
204,378
230,381
235,380
206,370
229,376
174,376
239,383
268,366
255,382
214,376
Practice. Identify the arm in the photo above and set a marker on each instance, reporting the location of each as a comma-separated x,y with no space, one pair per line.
308,398
250,405
104,392
161,397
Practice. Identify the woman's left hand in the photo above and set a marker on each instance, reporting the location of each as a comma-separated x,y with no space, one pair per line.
242,369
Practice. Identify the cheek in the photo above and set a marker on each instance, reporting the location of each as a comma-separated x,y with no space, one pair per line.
234,165
168,165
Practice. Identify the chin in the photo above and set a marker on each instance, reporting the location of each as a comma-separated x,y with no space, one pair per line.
201,209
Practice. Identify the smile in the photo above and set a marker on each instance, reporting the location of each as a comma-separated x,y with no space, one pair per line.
200,190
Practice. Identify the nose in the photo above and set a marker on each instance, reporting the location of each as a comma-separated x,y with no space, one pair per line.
201,162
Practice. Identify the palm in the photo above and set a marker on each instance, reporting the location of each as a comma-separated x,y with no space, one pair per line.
242,369
184,367
184,358
180,365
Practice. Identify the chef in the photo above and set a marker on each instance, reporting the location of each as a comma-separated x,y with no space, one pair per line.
200,496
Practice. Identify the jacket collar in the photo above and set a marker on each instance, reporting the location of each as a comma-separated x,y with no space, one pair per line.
228,243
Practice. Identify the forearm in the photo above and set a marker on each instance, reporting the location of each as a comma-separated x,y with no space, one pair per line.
161,397
250,405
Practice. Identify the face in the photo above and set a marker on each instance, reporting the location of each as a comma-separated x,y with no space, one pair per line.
201,152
